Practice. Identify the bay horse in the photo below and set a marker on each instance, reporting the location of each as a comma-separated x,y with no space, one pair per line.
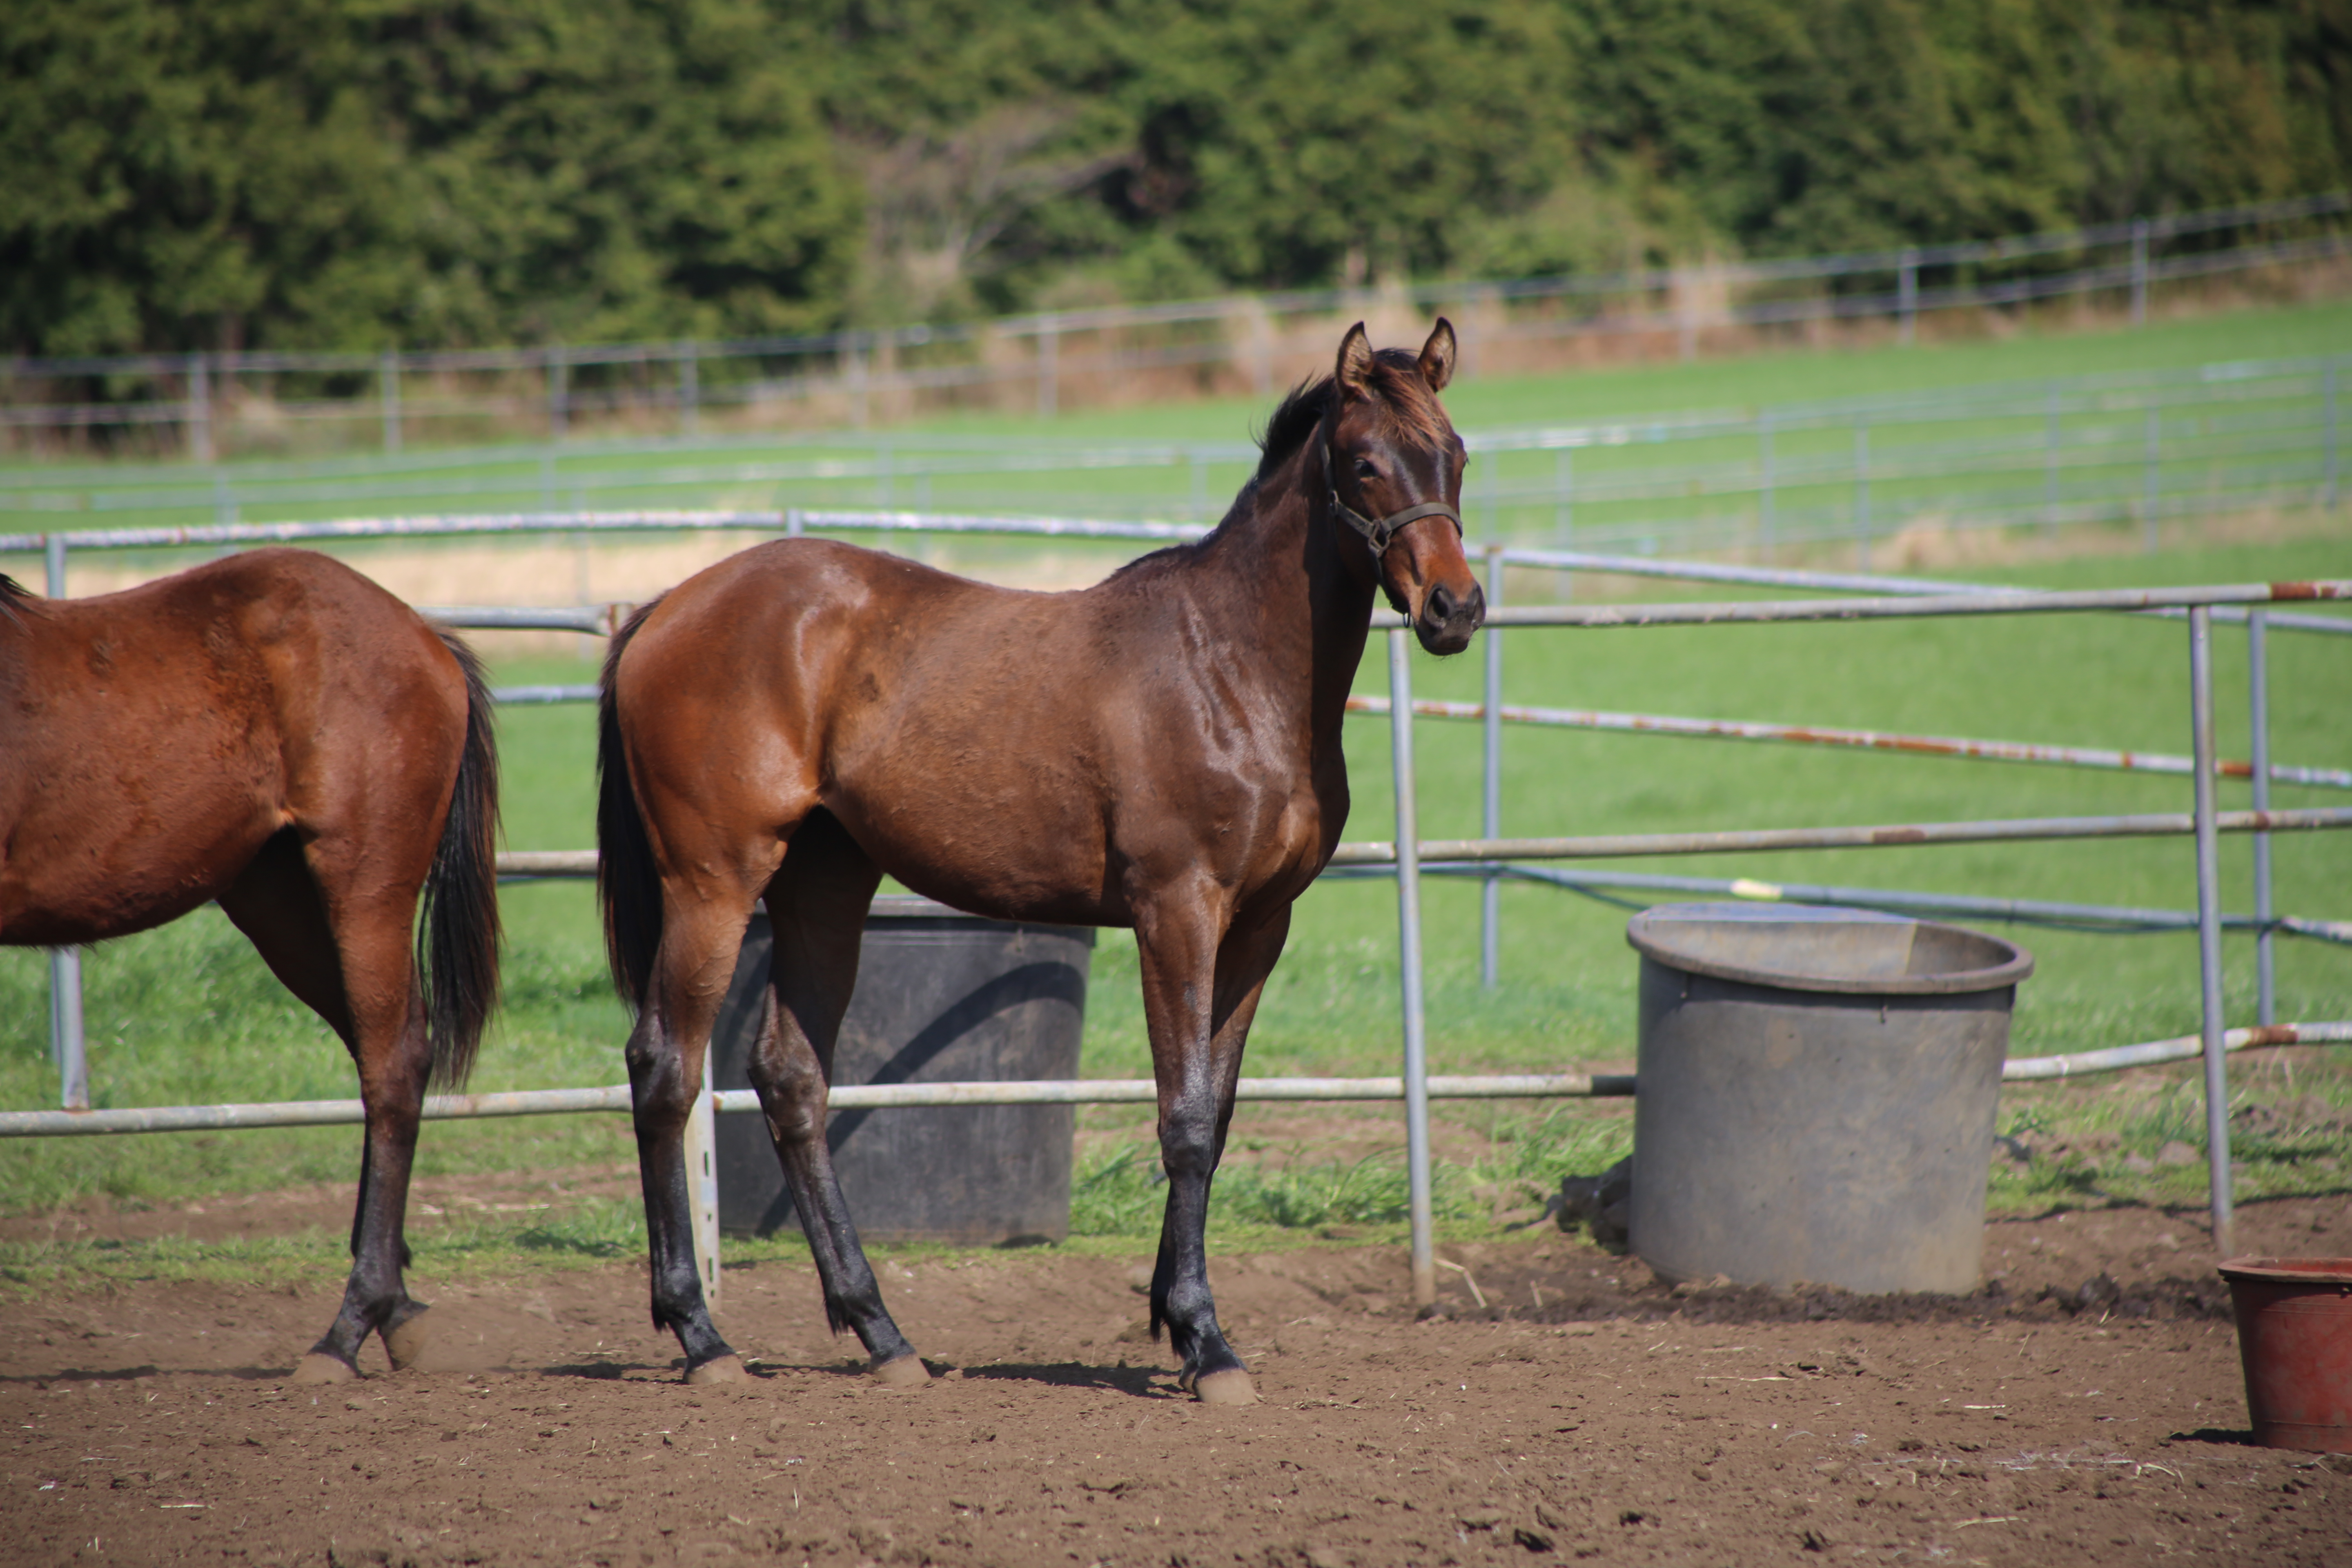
1161,751
276,733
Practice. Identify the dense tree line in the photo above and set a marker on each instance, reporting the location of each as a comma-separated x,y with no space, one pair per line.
358,173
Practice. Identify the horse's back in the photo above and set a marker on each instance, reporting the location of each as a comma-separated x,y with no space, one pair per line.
155,738
941,721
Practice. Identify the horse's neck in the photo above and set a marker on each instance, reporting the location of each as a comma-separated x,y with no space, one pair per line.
1292,603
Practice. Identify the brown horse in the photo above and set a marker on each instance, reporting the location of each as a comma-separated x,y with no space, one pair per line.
275,731
1161,751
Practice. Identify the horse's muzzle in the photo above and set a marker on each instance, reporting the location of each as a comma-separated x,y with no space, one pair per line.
1448,620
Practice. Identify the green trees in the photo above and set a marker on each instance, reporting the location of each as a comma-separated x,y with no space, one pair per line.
350,173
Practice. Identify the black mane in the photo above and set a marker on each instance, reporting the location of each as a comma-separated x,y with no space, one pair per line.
1396,374
1297,417
1405,398
15,599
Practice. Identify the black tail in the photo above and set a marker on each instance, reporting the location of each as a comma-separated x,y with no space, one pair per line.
457,933
628,884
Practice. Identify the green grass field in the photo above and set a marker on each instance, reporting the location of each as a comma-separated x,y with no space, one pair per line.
188,1014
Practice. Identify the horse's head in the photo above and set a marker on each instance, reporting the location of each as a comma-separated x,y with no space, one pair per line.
1395,467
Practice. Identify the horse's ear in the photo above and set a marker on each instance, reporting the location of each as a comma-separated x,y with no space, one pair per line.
1354,374
1437,355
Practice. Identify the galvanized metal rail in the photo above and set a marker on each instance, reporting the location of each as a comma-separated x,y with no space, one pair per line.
614,1099
2009,602
847,1097
1844,583
1459,854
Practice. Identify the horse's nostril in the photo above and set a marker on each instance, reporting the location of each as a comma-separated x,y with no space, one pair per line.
1477,605
1440,605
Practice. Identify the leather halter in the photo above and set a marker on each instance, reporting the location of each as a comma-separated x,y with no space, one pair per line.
1378,532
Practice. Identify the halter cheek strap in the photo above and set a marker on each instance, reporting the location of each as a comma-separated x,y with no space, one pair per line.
1378,531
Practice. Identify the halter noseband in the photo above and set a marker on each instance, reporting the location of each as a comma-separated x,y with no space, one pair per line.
1378,532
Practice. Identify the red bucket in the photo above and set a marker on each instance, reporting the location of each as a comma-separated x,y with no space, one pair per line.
2294,1336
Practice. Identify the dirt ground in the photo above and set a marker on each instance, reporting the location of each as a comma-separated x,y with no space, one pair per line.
2085,1408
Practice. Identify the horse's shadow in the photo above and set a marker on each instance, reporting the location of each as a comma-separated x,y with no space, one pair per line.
109,1375
1139,1382
2231,1436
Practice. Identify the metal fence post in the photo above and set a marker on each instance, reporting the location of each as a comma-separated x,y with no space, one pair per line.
2139,271
2149,481
1685,300
702,1186
2327,489
199,411
1564,496
689,389
861,403
1906,293
1862,494
1049,361
1416,1044
1768,521
1490,912
68,1045
2258,709
2049,458
2209,922
387,381
559,394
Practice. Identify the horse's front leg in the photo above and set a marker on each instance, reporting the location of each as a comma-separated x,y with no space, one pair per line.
665,1056
1199,996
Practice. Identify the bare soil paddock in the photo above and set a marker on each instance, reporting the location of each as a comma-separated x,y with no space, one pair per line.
1585,1413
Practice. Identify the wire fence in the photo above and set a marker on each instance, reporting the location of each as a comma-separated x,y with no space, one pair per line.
214,403
2132,448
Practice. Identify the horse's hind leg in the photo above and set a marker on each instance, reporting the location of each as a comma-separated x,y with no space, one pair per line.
353,966
817,906
702,934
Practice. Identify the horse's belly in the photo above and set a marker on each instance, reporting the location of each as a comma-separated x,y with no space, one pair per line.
1028,858
77,876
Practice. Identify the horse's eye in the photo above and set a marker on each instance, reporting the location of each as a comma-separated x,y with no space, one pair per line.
1367,469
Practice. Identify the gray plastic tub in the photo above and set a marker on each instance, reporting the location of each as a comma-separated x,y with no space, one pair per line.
1817,1094
941,997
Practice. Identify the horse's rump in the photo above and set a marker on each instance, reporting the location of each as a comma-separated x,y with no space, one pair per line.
159,736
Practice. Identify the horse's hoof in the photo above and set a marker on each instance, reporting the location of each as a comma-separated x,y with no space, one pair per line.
319,1367
406,1341
727,1368
903,1371
1231,1386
